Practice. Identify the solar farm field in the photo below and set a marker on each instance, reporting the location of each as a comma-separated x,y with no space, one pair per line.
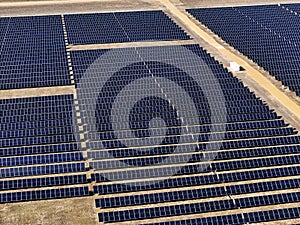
136,116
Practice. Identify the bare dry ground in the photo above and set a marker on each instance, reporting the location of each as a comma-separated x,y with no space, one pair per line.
41,7
208,3
76,211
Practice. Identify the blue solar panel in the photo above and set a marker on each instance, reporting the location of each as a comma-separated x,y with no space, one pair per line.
28,150
41,170
33,53
267,34
283,198
122,27
262,186
160,197
42,182
36,121
255,138
293,7
257,174
217,220
207,179
272,215
40,159
37,138
43,194
184,209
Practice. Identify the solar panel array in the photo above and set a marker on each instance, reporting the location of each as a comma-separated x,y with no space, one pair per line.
40,157
269,35
32,52
122,27
225,149
256,138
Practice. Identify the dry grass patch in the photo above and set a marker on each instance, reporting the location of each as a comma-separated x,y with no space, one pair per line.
76,211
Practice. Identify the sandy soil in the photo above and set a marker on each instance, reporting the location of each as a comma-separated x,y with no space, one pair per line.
75,6
207,3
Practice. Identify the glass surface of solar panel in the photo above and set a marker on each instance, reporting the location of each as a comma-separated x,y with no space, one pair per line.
268,35
256,137
98,28
33,53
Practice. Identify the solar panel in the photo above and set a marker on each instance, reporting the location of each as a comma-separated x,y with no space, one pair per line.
39,149
42,182
118,27
184,209
170,196
40,155
41,170
226,219
38,138
272,215
255,138
40,159
33,53
43,194
267,34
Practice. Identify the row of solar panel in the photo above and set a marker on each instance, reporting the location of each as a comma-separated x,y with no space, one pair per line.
225,145
36,101
33,83
36,117
245,125
42,126
40,149
44,194
185,209
174,133
138,121
249,217
42,182
112,86
135,65
34,49
202,193
37,140
195,180
6,65
225,84
228,95
29,75
155,66
39,131
96,53
190,167
40,159
201,120
173,137
192,151
36,110
144,110
42,170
